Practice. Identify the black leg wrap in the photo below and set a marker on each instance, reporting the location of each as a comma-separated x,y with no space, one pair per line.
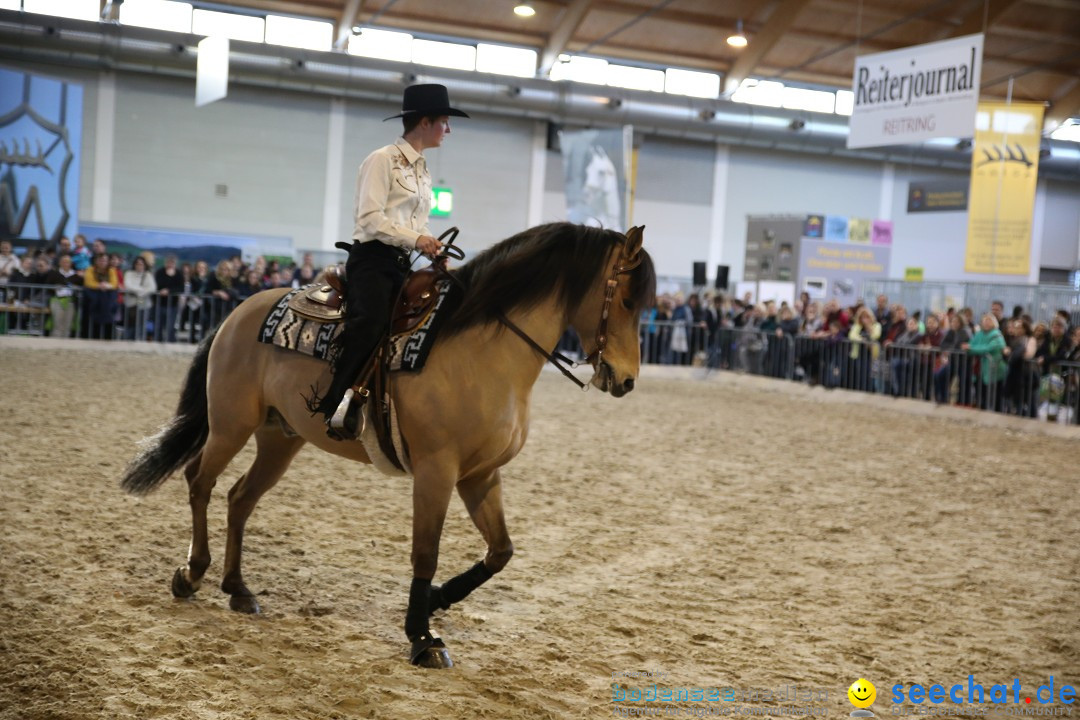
416,617
458,588
426,650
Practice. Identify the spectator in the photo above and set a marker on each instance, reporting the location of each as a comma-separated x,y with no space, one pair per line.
997,309
117,263
304,275
1055,347
902,361
987,345
682,325
101,285
250,285
191,306
170,286
220,288
883,313
1022,377
139,289
98,248
897,328
864,336
9,265
80,256
953,364
969,318
1053,350
62,305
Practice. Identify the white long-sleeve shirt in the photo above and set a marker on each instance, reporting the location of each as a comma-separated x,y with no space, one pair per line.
393,196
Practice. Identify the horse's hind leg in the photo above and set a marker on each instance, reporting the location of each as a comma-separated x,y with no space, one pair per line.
202,474
483,499
275,452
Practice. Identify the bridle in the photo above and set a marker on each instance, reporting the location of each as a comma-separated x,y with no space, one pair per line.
622,265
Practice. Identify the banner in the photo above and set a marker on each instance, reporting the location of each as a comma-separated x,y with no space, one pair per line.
916,93
1004,171
596,164
40,146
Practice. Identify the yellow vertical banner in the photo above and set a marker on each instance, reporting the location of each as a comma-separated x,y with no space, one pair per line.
1004,171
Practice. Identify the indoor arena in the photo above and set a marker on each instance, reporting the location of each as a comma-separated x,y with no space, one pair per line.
731,364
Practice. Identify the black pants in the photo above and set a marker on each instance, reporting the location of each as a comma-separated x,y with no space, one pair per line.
374,274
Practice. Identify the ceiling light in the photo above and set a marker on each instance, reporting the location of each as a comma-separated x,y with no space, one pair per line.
524,9
737,40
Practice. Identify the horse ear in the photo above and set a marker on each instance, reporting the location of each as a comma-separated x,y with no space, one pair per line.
635,236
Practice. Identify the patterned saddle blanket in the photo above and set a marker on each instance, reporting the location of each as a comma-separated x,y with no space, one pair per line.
287,328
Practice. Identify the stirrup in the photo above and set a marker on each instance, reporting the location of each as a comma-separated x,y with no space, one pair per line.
348,421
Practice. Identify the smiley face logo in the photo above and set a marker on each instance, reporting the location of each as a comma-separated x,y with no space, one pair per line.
862,693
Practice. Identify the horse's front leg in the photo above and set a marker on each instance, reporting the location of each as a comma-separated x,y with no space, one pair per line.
483,499
432,488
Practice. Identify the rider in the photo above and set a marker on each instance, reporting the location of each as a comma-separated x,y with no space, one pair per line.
393,201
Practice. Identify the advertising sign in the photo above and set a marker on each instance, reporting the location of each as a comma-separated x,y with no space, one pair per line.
916,93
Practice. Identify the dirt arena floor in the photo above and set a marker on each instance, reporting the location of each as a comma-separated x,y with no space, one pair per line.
724,533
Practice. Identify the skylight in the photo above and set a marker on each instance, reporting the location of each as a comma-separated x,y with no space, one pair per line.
230,25
299,33
157,14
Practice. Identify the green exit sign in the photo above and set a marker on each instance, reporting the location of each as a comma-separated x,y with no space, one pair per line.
442,201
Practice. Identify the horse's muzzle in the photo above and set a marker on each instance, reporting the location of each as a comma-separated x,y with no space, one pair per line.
608,383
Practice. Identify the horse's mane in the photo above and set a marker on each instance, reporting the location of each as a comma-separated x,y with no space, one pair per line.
521,271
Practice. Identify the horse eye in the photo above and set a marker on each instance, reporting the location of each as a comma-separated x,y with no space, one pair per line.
627,304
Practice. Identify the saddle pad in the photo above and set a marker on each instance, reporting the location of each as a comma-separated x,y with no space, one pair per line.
409,351
286,329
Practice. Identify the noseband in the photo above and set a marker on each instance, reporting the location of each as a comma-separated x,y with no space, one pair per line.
622,266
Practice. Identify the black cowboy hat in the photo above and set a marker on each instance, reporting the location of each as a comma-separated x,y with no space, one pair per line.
426,100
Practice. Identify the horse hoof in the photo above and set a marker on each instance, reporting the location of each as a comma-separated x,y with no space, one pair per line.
430,653
244,604
181,588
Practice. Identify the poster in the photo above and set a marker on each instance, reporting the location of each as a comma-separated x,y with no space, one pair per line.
1004,171
40,143
596,164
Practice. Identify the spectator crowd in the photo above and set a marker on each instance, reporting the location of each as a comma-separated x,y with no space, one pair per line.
73,289
993,361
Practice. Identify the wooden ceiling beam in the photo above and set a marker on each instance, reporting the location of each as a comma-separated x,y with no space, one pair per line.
291,8
983,16
564,30
783,17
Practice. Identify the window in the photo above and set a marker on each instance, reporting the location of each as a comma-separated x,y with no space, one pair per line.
635,78
157,14
845,102
444,54
581,69
382,44
299,33
230,25
760,92
503,60
694,84
77,9
814,100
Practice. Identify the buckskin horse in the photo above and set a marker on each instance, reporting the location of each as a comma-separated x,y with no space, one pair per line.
463,417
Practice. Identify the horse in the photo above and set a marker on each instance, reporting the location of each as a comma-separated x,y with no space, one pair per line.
463,417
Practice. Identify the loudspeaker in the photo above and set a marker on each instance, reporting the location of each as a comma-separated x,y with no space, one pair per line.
721,277
699,274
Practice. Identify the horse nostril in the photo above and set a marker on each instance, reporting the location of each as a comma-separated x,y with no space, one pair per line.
628,384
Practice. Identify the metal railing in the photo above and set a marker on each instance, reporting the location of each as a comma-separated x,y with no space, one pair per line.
77,312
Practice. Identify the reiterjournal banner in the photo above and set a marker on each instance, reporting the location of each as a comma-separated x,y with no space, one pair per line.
917,93
1004,170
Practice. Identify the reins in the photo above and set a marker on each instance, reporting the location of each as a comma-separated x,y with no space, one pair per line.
622,266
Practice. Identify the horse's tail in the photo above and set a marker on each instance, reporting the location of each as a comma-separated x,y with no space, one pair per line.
178,442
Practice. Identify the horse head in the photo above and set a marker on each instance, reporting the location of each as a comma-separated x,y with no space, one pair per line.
627,287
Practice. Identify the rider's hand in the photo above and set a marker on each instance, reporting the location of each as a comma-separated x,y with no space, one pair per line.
428,245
